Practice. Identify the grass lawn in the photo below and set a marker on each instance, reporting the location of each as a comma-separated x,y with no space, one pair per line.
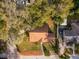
27,46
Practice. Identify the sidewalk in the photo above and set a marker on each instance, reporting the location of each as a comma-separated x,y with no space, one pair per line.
39,57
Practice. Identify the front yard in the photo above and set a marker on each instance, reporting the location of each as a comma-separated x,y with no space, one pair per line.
28,46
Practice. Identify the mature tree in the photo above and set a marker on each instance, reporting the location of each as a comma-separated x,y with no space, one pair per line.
40,12
63,7
76,6
14,16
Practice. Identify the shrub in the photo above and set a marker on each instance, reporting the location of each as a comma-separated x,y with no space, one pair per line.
46,52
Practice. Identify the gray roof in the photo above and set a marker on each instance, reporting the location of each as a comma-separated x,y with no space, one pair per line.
74,31
74,57
70,33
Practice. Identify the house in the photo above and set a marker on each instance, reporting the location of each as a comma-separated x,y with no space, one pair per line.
42,34
72,33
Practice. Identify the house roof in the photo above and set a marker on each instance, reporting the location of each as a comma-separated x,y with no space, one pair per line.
44,28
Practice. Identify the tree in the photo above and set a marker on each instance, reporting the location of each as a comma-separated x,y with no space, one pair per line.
3,28
40,12
2,23
63,7
14,17
75,9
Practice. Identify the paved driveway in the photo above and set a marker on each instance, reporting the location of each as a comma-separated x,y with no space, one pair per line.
39,57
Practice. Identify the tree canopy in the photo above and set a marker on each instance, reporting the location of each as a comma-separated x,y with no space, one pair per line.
34,15
40,12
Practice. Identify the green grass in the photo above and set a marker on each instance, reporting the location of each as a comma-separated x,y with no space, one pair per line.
64,57
46,51
49,46
25,46
77,49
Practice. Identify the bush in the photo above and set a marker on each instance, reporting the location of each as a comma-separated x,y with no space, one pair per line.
77,48
64,57
2,24
46,52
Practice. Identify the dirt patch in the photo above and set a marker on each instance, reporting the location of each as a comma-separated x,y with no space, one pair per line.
30,53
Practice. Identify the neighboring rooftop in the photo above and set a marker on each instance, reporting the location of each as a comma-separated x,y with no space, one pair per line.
75,29
74,57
